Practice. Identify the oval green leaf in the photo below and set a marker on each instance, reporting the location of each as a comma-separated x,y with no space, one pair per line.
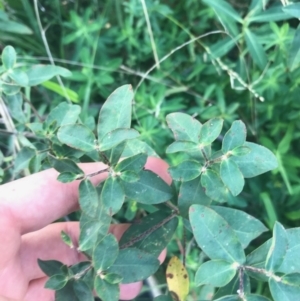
88,198
258,161
64,165
77,136
277,249
116,111
41,73
149,234
106,291
190,193
235,136
134,163
56,282
105,253
134,265
210,131
215,236
245,226
129,176
112,195
184,127
232,176
214,187
9,57
149,189
63,114
181,146
185,171
115,137
216,273
19,77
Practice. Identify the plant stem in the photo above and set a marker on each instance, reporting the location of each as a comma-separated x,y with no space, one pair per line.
43,35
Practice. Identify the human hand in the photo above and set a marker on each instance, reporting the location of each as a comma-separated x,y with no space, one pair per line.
28,207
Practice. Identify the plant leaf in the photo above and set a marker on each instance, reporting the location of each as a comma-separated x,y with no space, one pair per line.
9,57
140,236
106,291
116,111
210,131
68,177
232,176
93,230
88,197
272,14
215,272
234,137
134,265
286,289
294,53
41,73
214,187
134,163
181,146
185,171
241,151
277,249
129,176
77,136
184,127
149,189
112,195
256,50
233,286
190,193
224,8
258,161
23,158
56,282
245,226
115,137
112,278
177,279
215,236
292,9
63,114
66,239
82,291
254,297
19,77
105,253
50,267
65,165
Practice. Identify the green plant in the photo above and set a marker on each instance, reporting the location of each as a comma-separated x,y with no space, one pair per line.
206,179
266,65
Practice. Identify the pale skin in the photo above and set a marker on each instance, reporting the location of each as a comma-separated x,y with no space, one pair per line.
28,208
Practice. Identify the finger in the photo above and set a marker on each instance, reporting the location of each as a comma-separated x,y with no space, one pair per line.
46,244
130,291
160,167
39,199
36,291
40,245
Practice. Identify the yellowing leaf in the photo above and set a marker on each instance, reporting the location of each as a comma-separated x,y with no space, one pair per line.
177,279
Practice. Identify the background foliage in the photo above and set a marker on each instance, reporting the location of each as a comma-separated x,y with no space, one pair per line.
245,67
